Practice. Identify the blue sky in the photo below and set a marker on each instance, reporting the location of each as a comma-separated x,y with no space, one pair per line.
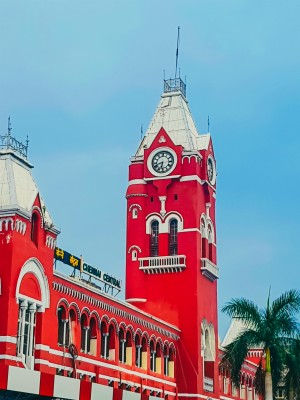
81,77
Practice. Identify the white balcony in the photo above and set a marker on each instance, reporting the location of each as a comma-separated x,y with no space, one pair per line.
209,269
161,265
208,384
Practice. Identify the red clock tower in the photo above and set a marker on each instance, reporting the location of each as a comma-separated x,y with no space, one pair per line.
171,269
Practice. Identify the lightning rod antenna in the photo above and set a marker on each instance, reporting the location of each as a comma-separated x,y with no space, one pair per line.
177,50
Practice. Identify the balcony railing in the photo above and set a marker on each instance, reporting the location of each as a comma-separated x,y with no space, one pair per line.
209,269
164,264
208,384
174,85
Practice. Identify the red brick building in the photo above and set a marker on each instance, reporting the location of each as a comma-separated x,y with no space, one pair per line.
65,334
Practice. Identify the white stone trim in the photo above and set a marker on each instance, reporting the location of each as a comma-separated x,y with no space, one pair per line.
197,157
134,246
6,222
8,339
199,396
191,230
164,224
50,242
20,226
136,300
12,358
135,205
36,208
99,363
34,267
162,177
192,178
137,182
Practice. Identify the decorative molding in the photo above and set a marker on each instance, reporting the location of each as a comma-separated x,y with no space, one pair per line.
104,296
136,195
20,226
164,222
135,205
50,242
197,157
134,246
4,224
192,178
36,208
34,266
109,308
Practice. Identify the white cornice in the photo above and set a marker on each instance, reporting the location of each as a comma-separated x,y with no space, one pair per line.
162,177
192,178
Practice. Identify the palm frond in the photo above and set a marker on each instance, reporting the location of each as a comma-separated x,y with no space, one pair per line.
287,303
244,310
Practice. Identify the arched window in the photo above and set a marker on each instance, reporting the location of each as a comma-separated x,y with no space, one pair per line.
34,228
152,357
128,348
144,353
112,342
171,363
104,340
203,239
72,327
166,360
138,351
85,336
26,331
134,213
93,337
210,244
122,346
134,255
154,239
158,358
63,327
173,240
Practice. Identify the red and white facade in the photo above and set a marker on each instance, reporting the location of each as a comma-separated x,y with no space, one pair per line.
62,337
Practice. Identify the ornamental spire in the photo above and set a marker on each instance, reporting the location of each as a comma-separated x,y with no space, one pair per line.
8,142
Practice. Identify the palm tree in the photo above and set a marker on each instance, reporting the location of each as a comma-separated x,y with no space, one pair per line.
270,328
292,374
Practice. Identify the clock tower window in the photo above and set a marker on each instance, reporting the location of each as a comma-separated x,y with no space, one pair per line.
34,228
173,238
154,239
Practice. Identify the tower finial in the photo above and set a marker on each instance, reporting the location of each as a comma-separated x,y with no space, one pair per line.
9,126
208,124
142,131
177,50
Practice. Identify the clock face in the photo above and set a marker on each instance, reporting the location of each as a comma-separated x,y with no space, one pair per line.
162,161
211,170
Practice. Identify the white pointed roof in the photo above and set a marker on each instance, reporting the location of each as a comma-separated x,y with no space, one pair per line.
18,189
174,115
236,327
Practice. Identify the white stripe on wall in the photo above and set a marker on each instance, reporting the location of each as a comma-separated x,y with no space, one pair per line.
67,388
101,392
23,380
131,395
